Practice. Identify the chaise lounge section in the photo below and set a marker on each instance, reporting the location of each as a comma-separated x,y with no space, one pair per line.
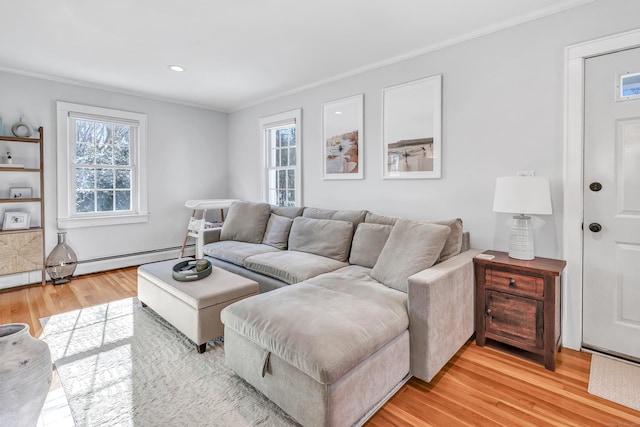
349,310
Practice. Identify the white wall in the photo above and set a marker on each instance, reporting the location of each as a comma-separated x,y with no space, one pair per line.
187,155
502,112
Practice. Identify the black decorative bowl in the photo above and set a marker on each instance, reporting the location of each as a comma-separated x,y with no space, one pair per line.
190,270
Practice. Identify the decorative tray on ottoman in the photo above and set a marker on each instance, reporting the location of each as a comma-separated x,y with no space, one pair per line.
194,269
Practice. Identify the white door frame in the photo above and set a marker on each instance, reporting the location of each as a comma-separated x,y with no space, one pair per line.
572,245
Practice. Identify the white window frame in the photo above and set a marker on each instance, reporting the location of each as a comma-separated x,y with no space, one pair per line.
275,121
67,217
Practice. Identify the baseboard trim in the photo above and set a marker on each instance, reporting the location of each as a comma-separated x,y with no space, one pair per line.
130,260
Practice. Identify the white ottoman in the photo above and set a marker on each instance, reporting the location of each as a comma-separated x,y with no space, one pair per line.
192,307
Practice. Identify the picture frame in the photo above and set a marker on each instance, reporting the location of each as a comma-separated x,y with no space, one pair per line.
20,193
412,129
343,138
16,220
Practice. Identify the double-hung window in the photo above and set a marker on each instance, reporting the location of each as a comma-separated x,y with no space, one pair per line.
281,135
101,166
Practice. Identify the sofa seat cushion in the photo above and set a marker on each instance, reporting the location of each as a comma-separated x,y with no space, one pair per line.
324,327
236,252
291,266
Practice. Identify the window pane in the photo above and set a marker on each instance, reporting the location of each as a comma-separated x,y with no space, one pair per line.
284,157
85,179
282,198
291,198
104,132
123,178
121,134
121,154
292,156
291,179
104,153
123,200
105,200
284,137
84,131
105,178
85,153
85,201
282,179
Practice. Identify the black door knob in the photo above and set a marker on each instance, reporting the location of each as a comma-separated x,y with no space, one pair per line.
595,186
595,227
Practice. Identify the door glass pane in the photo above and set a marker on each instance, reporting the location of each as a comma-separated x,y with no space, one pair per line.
630,85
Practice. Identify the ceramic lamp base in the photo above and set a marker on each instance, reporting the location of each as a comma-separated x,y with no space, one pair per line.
521,238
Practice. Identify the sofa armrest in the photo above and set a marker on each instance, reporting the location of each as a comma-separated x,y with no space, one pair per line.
206,235
441,305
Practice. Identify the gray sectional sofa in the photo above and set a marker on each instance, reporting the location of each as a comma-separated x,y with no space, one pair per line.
352,304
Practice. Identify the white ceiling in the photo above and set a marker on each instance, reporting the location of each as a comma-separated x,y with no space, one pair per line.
237,52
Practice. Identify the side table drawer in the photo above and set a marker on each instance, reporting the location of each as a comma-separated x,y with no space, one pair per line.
516,318
514,282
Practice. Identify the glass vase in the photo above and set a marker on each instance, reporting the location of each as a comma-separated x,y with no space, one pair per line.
61,262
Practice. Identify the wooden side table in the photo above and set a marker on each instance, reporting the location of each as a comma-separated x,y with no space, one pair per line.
518,303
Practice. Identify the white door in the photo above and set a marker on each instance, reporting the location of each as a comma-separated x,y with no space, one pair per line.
611,286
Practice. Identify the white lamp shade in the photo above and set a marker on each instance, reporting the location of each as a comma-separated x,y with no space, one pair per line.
522,195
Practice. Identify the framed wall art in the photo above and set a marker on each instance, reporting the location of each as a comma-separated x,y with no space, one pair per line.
412,129
16,220
20,193
343,139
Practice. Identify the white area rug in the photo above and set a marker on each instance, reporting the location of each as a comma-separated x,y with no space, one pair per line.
122,365
615,380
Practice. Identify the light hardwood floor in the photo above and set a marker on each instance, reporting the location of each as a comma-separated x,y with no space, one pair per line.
480,386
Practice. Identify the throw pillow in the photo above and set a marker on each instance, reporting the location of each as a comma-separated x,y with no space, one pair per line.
367,244
412,247
324,237
277,232
246,222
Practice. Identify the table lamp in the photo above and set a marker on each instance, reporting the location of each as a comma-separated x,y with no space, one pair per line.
522,195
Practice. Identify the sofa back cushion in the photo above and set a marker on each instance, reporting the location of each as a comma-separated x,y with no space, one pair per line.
453,245
246,222
412,247
324,237
354,217
288,211
277,232
368,241
380,219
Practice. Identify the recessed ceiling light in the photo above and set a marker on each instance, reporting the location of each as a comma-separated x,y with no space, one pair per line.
177,68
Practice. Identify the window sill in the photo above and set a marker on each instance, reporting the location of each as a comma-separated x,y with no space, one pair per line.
96,221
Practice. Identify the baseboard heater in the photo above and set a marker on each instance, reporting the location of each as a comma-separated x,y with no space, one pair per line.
94,265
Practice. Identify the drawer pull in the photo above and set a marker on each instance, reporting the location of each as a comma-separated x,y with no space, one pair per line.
487,311
512,283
